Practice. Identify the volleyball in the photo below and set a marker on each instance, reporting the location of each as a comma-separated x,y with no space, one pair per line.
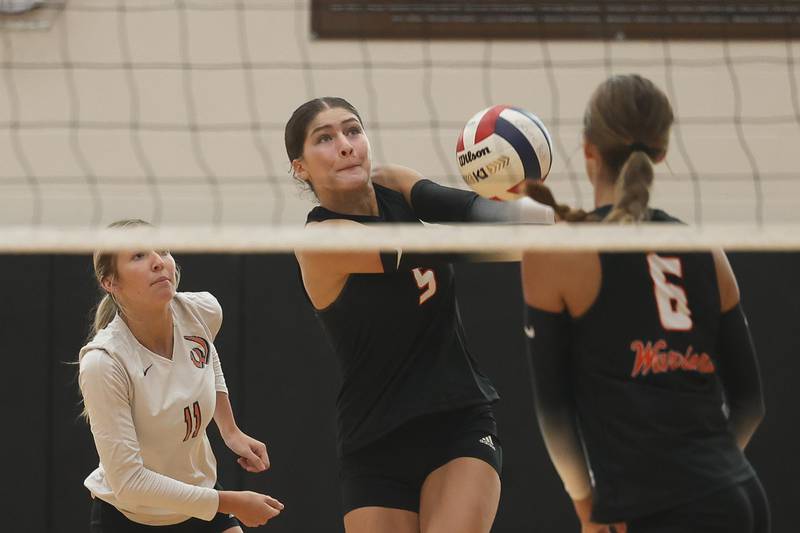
499,148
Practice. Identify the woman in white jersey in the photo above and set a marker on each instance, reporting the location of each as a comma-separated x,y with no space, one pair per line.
151,381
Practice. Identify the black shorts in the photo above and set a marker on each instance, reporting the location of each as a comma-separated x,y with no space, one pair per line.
105,518
390,471
739,508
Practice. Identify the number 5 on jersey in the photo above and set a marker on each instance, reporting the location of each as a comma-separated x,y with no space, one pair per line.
673,306
426,281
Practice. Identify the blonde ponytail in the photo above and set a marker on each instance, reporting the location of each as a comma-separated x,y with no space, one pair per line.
632,189
104,313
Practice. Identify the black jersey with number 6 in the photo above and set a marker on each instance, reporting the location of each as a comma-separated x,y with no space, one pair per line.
650,404
399,341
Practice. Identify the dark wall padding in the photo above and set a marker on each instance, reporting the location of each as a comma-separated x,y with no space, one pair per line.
283,381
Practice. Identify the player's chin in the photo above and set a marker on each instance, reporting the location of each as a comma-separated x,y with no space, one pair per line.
352,178
164,291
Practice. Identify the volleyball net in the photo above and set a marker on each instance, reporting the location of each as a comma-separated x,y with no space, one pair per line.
173,111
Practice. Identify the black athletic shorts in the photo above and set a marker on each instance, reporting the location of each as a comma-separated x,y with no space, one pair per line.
739,508
390,471
105,518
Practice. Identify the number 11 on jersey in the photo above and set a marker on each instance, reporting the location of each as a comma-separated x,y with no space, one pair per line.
198,420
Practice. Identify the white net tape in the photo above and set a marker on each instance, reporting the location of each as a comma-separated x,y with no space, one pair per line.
499,239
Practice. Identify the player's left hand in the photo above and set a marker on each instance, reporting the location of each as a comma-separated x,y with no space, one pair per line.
252,453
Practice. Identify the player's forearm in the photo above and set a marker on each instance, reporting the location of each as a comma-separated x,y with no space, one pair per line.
737,367
549,355
228,502
436,203
223,416
563,445
147,488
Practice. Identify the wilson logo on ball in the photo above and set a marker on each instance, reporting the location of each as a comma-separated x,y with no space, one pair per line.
469,157
520,144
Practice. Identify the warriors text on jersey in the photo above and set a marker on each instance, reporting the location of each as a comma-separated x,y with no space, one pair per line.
399,340
148,416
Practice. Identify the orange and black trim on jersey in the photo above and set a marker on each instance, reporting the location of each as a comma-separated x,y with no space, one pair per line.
198,354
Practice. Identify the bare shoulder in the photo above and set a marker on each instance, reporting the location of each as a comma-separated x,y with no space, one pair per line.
557,265
554,281
325,272
335,263
545,276
308,259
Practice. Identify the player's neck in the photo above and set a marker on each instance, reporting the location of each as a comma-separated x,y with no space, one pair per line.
153,328
603,193
362,203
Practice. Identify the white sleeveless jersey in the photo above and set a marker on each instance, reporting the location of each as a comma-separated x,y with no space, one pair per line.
148,416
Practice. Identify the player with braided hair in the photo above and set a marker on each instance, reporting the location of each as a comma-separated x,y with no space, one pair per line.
646,383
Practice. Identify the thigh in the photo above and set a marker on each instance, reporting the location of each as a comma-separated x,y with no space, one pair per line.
381,520
461,495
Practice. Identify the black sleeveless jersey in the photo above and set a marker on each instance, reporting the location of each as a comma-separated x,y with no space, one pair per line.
650,405
399,341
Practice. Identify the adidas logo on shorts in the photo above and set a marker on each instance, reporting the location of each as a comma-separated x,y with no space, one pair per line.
487,440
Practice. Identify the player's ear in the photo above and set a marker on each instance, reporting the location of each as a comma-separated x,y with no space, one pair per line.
299,170
590,150
591,156
107,283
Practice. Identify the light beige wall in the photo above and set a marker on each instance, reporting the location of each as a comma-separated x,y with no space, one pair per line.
195,123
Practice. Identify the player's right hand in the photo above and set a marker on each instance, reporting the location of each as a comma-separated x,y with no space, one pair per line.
251,508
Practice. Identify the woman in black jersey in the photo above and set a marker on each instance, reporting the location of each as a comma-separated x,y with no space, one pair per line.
646,382
417,437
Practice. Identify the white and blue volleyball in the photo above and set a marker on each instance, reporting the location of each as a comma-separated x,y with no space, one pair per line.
501,147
